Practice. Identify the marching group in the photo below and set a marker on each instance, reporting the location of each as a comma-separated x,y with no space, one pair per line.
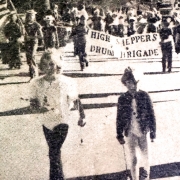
55,95
119,22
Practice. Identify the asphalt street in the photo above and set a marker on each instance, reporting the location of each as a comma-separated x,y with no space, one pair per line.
23,149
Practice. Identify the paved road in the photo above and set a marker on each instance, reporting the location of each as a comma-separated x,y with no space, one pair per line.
24,152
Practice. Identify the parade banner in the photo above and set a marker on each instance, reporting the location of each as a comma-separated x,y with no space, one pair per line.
140,46
99,43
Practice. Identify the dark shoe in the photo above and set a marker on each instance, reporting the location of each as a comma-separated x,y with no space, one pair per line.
31,72
11,66
143,174
169,70
18,66
87,64
82,68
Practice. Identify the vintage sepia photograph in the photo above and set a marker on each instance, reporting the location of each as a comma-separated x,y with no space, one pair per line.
89,89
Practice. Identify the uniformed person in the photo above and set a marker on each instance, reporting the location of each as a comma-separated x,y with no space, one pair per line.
12,32
135,118
32,35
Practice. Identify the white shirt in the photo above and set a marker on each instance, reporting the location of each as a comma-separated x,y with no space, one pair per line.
135,126
84,13
57,97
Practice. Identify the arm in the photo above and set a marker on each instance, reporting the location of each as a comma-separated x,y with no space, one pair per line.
39,32
151,118
56,37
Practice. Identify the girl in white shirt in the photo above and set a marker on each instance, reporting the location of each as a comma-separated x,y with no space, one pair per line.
55,96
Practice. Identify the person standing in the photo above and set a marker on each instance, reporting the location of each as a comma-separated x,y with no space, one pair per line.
166,46
32,35
108,20
79,33
12,32
55,96
135,118
131,28
50,33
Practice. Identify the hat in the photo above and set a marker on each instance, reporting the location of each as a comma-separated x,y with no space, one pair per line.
132,19
31,11
127,76
49,18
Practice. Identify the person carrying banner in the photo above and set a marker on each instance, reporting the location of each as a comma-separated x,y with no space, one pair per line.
131,28
166,46
32,35
96,20
55,96
135,118
108,20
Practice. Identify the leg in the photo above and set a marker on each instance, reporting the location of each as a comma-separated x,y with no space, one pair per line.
81,60
55,139
81,49
169,59
15,55
30,56
132,157
163,61
145,172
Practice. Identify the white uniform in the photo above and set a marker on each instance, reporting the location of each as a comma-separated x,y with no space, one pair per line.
57,97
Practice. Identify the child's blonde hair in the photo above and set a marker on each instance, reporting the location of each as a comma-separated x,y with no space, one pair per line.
51,55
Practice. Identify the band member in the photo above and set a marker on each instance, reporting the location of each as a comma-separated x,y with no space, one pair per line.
50,33
12,32
166,46
135,118
32,35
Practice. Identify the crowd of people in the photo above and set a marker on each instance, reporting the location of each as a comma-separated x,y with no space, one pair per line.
135,114
120,22
125,22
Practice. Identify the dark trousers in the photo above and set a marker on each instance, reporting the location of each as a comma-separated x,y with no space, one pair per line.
14,54
166,56
31,48
55,138
82,53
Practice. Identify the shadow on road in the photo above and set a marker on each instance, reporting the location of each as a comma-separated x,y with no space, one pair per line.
101,95
5,69
22,111
82,75
107,105
156,172
154,73
2,84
